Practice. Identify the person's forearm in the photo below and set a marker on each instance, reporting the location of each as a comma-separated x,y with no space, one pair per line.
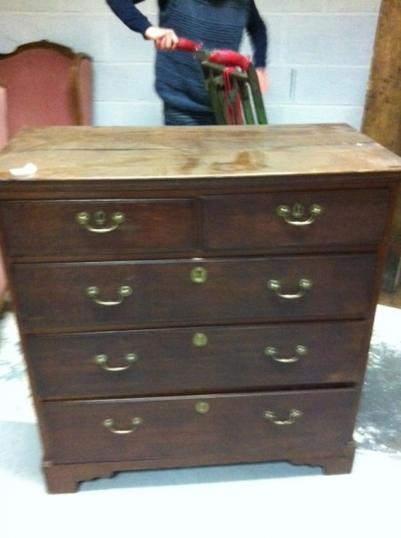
257,31
129,14
164,38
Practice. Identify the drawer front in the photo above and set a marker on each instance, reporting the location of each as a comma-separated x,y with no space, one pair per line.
68,228
348,217
196,360
183,292
157,428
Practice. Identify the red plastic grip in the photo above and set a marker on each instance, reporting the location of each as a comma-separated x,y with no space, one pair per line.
186,45
229,58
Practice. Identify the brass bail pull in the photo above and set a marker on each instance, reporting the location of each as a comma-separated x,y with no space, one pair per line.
293,415
295,215
123,291
304,284
109,424
272,353
102,361
95,223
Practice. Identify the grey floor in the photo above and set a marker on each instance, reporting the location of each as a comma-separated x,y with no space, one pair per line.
245,500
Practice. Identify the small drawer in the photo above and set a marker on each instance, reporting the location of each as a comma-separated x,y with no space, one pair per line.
100,227
196,360
87,296
295,219
259,425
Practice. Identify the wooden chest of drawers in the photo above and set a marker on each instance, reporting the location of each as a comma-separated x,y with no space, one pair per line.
195,296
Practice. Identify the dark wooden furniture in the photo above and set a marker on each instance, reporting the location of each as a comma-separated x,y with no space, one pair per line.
195,296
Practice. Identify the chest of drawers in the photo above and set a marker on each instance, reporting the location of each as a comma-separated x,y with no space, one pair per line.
195,296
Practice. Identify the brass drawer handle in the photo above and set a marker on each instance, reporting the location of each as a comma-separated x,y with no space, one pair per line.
200,340
110,425
123,292
295,214
292,417
199,275
300,351
99,218
102,360
304,284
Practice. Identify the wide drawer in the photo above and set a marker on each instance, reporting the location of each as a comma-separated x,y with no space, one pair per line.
269,424
67,296
196,360
100,227
253,221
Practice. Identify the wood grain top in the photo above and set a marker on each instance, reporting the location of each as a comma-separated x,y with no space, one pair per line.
84,153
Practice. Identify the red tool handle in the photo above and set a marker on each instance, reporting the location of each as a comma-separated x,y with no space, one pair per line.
229,58
186,45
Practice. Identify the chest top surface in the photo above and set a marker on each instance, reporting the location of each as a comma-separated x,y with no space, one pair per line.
184,153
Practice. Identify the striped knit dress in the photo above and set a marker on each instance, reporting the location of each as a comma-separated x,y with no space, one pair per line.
218,24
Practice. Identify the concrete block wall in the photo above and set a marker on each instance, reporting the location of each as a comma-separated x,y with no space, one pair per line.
319,58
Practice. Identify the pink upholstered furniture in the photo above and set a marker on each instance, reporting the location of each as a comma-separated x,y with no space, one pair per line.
3,117
42,84
46,84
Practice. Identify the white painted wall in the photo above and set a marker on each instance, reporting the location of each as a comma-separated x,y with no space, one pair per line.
320,53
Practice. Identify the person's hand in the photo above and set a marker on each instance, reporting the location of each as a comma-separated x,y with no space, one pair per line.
164,38
263,78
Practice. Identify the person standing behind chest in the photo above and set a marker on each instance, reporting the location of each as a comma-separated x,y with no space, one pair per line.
217,24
